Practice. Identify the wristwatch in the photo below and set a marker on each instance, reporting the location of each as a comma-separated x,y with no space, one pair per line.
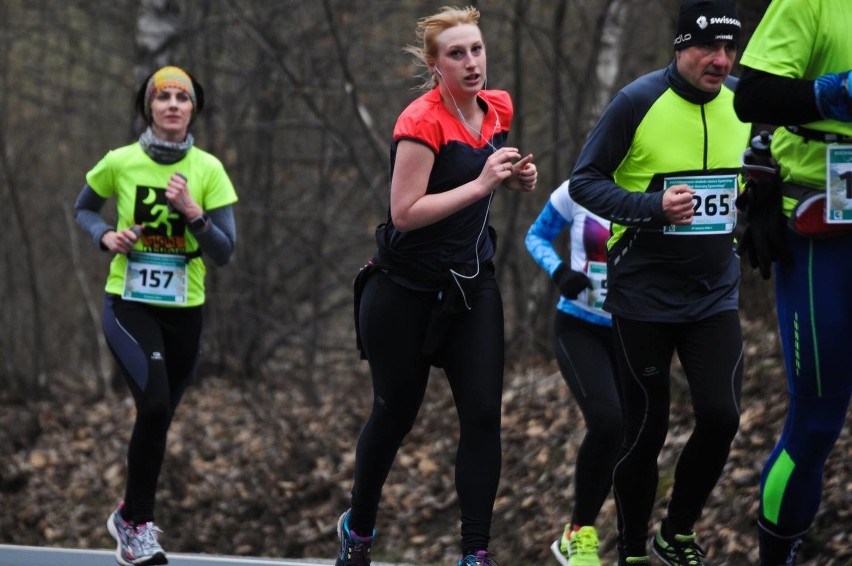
198,224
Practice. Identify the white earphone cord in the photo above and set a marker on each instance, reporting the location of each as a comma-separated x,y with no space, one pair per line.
453,272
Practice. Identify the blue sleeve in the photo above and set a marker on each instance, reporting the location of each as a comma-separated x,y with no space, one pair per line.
540,236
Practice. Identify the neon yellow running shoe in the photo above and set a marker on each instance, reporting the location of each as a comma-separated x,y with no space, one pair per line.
682,551
577,548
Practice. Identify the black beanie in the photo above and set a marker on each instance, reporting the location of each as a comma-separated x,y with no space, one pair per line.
706,21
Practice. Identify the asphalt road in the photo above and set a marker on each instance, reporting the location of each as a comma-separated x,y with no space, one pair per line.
35,556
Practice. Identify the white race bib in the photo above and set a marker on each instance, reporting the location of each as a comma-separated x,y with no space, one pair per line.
155,278
714,203
838,184
596,272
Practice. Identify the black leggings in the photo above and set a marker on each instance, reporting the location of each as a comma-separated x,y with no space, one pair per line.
157,350
585,355
711,353
393,322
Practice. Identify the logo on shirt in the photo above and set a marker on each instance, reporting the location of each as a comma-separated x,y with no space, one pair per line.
164,228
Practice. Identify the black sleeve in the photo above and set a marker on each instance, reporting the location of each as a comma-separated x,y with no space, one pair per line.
87,212
762,97
220,238
592,184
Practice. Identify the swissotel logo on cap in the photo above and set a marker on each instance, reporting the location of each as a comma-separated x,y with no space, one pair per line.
724,20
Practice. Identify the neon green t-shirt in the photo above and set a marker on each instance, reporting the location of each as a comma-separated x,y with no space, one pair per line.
139,185
803,39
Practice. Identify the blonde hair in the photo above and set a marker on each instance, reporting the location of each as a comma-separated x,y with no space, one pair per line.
429,28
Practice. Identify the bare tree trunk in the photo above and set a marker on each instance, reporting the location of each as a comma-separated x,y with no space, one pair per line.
540,292
266,44
28,258
157,30
26,255
102,358
556,83
609,55
508,246
360,112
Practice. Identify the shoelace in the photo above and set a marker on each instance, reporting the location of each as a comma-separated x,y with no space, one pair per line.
146,534
583,542
692,550
689,549
481,558
356,553
694,555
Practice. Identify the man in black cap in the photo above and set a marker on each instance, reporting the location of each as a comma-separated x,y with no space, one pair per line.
662,165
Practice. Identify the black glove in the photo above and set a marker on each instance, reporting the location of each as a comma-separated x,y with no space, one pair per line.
570,282
763,239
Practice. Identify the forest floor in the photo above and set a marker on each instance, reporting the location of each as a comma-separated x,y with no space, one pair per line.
254,470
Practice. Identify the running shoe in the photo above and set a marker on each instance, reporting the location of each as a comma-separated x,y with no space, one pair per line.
354,549
577,548
135,545
682,551
478,558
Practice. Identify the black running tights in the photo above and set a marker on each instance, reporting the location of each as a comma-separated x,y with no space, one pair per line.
393,321
585,355
711,353
157,350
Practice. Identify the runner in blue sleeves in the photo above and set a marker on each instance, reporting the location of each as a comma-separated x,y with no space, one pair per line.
797,75
584,350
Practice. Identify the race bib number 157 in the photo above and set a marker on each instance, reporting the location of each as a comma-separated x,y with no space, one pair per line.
155,278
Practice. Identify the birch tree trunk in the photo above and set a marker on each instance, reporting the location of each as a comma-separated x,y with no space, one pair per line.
157,35
609,55
23,259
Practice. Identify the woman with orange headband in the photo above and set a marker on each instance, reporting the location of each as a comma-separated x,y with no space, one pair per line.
173,202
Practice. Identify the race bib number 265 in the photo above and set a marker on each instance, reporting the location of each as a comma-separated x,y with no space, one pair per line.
714,204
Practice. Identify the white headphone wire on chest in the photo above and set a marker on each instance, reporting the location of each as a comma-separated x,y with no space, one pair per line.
456,275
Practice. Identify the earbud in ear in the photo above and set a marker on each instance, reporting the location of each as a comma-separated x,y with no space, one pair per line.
437,70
